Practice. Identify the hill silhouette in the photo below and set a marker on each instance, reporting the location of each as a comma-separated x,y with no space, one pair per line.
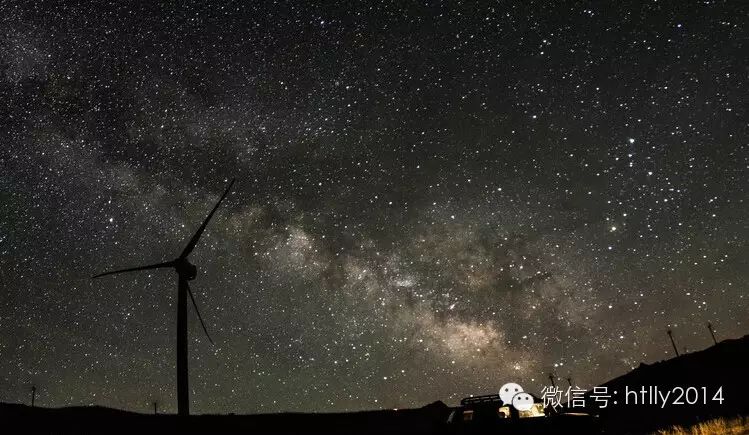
722,367
716,377
426,420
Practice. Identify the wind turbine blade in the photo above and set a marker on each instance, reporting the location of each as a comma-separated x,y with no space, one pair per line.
197,311
194,241
133,269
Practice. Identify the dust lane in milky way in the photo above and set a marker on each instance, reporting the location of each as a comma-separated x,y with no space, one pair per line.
431,200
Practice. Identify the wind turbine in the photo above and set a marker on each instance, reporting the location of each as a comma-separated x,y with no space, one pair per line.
712,333
671,336
185,272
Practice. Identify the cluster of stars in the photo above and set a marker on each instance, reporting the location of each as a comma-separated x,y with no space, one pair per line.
434,199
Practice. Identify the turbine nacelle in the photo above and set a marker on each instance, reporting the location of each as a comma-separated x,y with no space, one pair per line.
185,269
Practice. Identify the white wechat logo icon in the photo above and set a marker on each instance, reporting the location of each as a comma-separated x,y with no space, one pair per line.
513,394
508,390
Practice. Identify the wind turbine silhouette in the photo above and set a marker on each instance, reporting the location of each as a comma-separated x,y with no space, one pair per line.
185,272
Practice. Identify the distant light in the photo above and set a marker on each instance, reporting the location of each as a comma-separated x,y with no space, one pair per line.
631,140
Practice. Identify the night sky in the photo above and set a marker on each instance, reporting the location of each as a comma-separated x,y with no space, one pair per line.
432,198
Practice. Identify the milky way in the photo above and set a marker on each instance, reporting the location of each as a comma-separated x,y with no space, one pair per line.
431,200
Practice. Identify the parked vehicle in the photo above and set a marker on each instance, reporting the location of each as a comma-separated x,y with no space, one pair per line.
489,414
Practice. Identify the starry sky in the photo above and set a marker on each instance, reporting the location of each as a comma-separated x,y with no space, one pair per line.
432,198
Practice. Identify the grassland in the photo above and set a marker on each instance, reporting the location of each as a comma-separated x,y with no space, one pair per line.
719,426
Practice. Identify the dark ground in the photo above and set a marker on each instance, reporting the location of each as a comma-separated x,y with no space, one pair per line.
723,365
